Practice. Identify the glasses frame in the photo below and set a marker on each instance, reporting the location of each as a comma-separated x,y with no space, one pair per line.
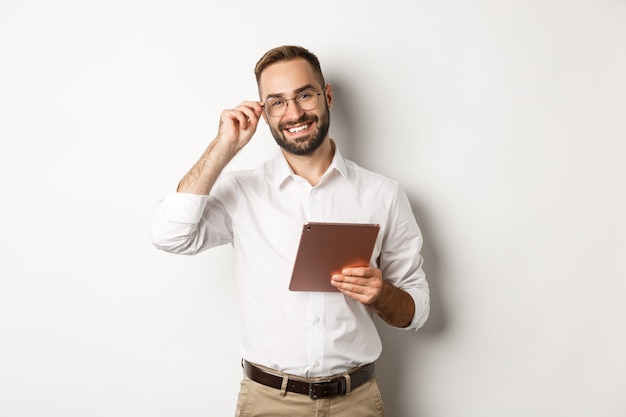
287,100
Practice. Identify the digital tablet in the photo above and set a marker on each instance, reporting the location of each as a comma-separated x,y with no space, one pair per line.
326,248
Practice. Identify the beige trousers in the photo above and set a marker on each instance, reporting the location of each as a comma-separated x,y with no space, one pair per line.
257,400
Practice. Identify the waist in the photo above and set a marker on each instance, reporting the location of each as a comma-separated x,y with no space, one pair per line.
314,387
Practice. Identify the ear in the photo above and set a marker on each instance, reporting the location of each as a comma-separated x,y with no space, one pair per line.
328,93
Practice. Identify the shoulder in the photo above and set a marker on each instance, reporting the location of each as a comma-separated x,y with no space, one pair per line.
365,177
242,180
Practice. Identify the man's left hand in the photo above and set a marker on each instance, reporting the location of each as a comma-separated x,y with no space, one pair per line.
363,284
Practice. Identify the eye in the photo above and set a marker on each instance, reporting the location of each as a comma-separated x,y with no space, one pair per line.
305,95
276,102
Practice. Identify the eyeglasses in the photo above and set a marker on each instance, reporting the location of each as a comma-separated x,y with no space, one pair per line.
306,100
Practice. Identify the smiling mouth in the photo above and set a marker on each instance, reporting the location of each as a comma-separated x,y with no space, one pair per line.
298,129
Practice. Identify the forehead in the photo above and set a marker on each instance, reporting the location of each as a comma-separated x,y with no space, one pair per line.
283,78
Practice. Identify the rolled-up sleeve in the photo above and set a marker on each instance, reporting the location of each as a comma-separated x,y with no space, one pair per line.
421,298
188,223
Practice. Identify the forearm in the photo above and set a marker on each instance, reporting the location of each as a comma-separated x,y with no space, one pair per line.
202,176
394,305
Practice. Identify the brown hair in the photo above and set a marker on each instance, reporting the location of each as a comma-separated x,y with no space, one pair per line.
288,53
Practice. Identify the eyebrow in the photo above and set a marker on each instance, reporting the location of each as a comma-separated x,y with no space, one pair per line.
296,91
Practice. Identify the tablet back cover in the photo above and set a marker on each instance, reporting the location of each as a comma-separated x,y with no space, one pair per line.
327,248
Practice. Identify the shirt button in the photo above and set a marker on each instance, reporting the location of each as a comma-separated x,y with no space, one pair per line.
316,320
316,364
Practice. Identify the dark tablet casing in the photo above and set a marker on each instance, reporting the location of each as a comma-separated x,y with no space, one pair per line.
326,249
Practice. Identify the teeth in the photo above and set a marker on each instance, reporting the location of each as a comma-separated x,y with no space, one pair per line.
298,129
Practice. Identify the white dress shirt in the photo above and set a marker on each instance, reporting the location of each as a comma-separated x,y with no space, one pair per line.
260,213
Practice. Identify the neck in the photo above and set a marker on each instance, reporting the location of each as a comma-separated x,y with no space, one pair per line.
311,167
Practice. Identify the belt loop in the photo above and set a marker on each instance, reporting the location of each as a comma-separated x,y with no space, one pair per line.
348,383
283,386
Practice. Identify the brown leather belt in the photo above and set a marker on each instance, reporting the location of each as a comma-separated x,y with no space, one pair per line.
319,389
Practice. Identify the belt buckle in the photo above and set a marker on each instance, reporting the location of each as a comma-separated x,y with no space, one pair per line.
328,388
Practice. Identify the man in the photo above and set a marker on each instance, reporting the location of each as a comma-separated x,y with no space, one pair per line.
303,352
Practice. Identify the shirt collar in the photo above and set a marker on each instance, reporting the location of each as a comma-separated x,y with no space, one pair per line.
282,170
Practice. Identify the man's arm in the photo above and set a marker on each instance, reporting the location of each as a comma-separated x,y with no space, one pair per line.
394,305
237,126
178,217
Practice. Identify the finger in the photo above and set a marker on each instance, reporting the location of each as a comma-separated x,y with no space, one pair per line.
252,109
358,272
361,294
348,283
255,105
237,117
247,116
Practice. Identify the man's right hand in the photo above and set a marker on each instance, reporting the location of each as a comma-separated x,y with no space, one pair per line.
237,126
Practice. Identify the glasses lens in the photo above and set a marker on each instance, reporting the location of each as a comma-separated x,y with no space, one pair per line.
306,100
276,106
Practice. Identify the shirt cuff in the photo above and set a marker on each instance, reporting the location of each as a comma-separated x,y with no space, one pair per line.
184,207
421,298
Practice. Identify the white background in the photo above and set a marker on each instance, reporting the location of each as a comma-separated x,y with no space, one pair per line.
503,120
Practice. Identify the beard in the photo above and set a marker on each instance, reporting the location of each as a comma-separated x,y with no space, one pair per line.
308,144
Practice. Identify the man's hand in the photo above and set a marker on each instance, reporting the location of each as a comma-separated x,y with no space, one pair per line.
363,284
238,125
367,286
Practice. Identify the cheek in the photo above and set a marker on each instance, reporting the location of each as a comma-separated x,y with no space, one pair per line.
276,126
